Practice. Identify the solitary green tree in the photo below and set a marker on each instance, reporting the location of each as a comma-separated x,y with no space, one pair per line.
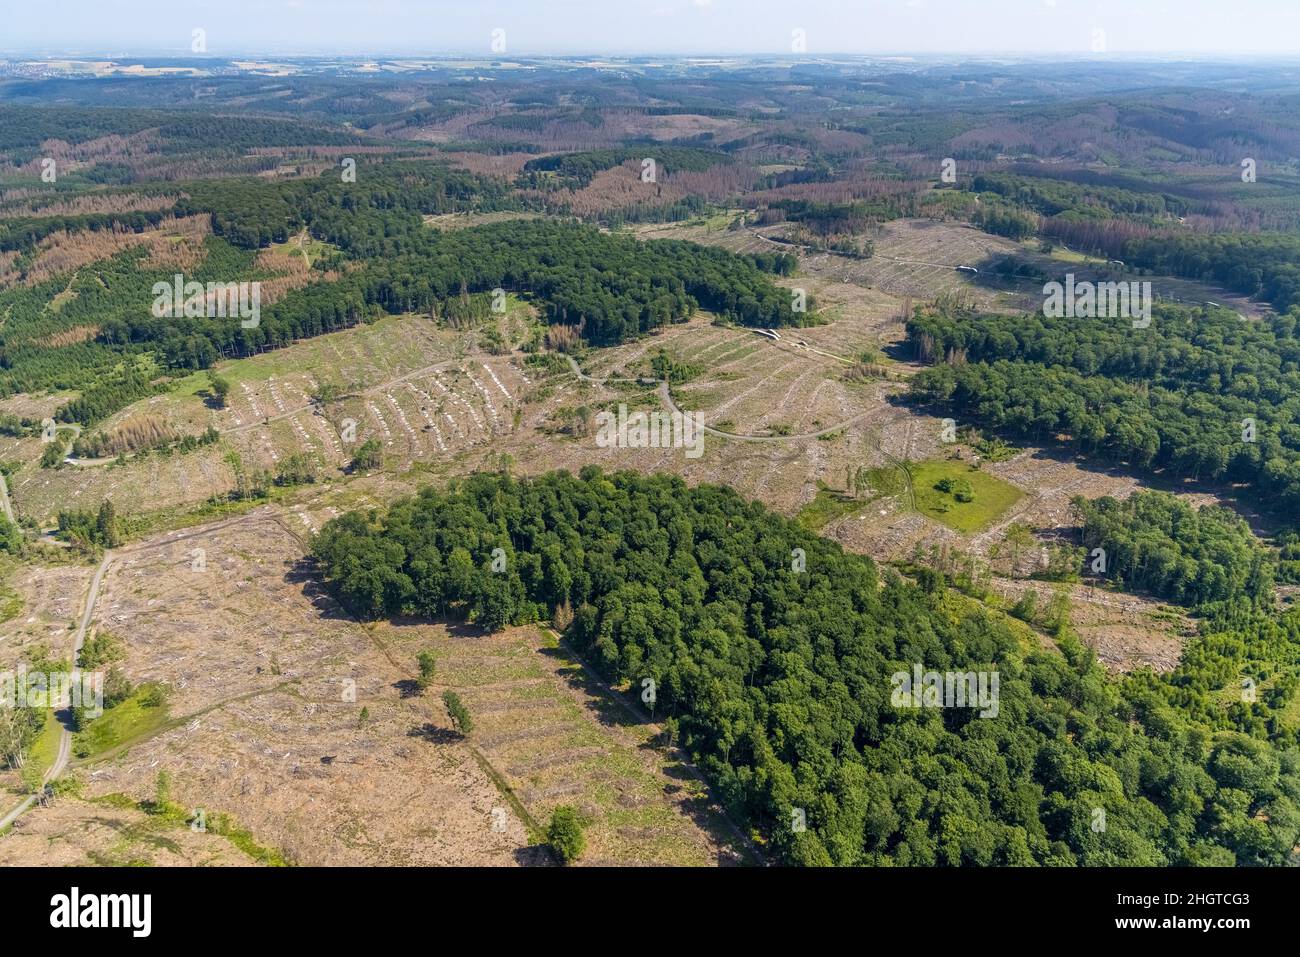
369,456
565,834
428,667
460,719
162,792
220,388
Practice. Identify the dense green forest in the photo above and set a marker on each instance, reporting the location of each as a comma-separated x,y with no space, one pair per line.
103,297
1209,561
1200,392
826,219
575,170
1264,265
611,286
1001,220
778,681
1158,543
1053,197
24,128
364,218
608,286
1177,396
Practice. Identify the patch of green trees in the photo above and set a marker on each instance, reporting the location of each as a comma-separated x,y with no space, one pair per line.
778,681
1199,392
1159,543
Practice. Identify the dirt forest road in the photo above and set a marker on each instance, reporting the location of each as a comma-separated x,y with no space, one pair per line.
665,396
88,611
79,639
4,499
65,734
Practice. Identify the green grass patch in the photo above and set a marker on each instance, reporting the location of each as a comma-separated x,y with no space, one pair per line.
130,719
989,495
43,752
1289,717
62,299
886,481
242,838
298,245
1063,255
11,603
827,506
177,816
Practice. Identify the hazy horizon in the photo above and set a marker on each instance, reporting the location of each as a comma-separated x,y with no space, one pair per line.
1256,29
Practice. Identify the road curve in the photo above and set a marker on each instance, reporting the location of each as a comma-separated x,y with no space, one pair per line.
65,739
665,396
65,735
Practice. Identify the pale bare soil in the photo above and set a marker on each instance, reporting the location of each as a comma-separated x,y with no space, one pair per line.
76,833
919,258
31,406
257,658
268,679
1128,632
143,484
779,393
51,601
422,391
559,737
915,258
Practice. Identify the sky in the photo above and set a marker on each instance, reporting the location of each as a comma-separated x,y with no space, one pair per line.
629,27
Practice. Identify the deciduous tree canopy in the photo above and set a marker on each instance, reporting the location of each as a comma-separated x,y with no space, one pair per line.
779,680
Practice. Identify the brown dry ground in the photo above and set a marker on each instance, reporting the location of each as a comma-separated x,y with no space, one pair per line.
261,726
913,257
752,387
558,736
1128,632
450,417
424,392
267,680
77,833
31,406
402,789
51,598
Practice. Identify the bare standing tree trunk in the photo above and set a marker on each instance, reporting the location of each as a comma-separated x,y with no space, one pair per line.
11,737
